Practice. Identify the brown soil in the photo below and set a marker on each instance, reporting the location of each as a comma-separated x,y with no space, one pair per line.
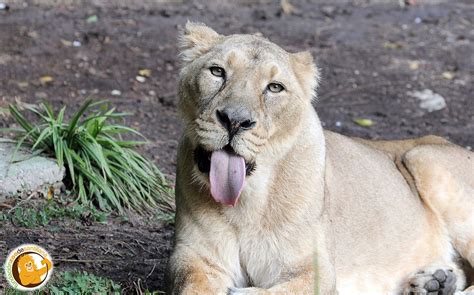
367,51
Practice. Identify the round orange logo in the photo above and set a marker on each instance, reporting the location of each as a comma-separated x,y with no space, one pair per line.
28,267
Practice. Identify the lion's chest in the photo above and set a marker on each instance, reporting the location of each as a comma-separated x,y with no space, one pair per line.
262,258
266,257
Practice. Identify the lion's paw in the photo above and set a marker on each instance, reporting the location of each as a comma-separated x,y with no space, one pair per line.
435,282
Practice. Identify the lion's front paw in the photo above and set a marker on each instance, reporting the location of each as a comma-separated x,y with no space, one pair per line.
247,291
440,281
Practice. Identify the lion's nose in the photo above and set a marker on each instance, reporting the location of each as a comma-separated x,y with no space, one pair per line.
235,120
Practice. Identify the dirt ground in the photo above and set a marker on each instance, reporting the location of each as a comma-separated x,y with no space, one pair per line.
371,54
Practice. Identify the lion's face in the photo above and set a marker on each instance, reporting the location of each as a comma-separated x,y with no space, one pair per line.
238,94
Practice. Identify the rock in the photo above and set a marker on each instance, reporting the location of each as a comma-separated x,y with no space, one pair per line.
287,7
448,75
414,65
27,174
328,11
66,43
429,100
140,79
116,92
4,6
41,95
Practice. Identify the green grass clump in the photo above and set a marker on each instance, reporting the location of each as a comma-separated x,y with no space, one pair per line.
102,168
81,282
43,214
74,282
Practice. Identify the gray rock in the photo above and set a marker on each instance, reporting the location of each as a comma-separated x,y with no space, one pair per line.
429,100
27,173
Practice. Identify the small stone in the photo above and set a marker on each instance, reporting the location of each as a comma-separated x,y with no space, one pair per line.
66,43
116,92
448,75
429,100
22,84
33,34
328,11
287,7
414,65
169,67
3,6
338,124
140,79
41,95
417,20
151,93
76,43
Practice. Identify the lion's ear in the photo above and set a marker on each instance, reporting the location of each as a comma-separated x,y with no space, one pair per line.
196,39
306,72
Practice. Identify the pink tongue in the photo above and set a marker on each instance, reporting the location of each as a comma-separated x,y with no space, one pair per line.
227,177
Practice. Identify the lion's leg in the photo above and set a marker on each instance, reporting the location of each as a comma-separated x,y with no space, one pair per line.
444,178
191,273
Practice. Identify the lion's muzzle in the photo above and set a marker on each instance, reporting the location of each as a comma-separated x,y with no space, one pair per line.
235,120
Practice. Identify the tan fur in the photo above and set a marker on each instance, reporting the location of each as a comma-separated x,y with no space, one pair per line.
366,214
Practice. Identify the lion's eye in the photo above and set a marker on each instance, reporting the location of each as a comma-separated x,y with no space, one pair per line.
217,71
275,87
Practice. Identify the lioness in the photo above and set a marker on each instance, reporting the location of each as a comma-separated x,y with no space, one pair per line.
269,203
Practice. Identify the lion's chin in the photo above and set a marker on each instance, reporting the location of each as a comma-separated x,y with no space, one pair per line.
202,158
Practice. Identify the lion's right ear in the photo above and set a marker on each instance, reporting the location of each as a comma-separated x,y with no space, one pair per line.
306,72
196,39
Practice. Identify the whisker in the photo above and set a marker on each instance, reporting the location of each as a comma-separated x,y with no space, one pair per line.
252,149
208,130
254,143
260,141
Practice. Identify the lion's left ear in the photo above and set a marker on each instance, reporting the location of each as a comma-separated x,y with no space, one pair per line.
196,39
306,72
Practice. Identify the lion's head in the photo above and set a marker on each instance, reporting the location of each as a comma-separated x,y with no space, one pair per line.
241,96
